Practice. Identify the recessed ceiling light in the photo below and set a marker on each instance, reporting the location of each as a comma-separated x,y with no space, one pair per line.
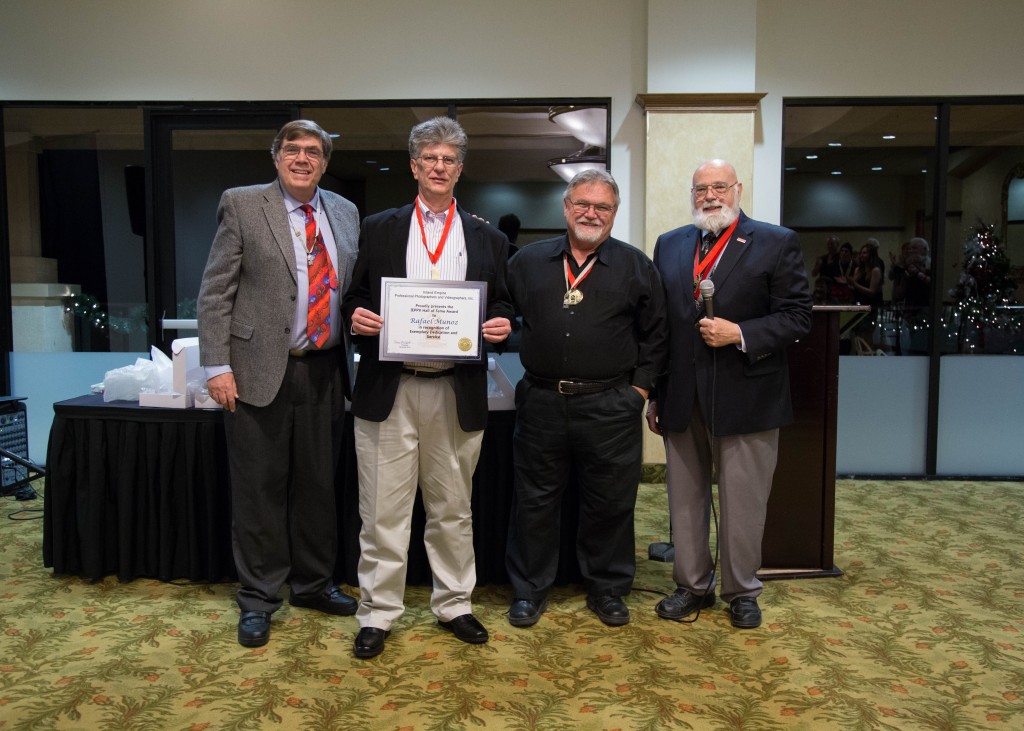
888,137
790,169
371,162
384,170
836,172
924,170
879,167
812,157
835,144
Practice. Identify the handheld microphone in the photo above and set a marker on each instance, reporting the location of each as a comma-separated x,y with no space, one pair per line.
707,291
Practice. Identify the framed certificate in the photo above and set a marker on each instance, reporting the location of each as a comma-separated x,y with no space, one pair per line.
430,319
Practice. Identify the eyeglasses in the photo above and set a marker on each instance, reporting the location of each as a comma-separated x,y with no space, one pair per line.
313,154
719,189
431,160
603,209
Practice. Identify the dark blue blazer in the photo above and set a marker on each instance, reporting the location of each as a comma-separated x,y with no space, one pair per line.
761,285
383,239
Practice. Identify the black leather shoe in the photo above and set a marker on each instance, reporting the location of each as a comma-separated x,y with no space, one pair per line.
744,612
610,609
526,612
683,603
370,642
466,628
332,601
254,629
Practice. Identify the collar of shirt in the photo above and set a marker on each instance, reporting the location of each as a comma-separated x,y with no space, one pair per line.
429,216
567,250
292,205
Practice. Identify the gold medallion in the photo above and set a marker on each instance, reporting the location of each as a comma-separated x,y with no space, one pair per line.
572,297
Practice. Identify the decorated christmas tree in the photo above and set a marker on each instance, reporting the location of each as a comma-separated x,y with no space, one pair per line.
986,315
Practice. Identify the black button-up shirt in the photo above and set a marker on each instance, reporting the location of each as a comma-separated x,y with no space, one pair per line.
618,329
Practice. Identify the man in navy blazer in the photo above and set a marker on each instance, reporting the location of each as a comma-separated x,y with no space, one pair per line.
726,392
420,423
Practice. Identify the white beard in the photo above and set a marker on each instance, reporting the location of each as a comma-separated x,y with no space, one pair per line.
715,222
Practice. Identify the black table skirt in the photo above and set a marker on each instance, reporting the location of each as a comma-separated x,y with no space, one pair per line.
144,492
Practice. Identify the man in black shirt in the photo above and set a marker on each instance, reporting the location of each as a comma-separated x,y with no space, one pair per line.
594,340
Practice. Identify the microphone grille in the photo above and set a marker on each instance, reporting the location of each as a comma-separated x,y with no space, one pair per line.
707,288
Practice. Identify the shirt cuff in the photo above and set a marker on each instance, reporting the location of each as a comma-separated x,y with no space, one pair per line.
216,370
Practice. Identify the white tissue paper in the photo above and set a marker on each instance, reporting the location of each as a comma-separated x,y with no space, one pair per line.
128,382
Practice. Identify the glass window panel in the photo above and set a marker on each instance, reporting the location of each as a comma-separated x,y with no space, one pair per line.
860,178
76,228
985,229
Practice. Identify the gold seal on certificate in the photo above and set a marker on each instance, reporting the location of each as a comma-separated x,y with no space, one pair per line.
432,320
572,297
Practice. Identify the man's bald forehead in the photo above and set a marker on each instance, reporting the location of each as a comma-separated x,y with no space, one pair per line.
710,165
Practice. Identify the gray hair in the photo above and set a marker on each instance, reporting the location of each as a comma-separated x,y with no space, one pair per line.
302,128
438,131
589,177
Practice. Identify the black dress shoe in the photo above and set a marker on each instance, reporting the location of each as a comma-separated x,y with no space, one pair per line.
744,612
610,609
466,628
683,603
254,629
332,601
526,612
370,642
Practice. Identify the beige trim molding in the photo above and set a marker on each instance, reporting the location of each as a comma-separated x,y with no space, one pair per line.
699,102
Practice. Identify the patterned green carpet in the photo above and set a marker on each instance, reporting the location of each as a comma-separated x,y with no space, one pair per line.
923,632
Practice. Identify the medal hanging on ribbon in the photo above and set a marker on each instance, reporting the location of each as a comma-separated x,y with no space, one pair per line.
573,296
435,256
702,268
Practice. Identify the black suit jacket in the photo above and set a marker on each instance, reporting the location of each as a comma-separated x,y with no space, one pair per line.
761,285
383,240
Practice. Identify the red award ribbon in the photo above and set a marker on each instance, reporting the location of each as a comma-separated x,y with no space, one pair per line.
444,234
703,267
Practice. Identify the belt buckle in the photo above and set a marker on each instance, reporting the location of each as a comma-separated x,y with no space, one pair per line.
561,384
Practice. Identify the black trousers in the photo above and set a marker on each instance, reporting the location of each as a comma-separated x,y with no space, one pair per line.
282,459
598,437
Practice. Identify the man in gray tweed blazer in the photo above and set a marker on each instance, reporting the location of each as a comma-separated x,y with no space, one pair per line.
281,377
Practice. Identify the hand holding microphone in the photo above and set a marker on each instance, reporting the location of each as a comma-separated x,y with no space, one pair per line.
707,291
720,332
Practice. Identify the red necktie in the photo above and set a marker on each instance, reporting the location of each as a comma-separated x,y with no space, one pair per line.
318,316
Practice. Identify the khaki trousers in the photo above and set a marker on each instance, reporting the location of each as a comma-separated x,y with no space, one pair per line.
419,444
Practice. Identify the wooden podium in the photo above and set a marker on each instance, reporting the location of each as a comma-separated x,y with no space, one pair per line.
799,533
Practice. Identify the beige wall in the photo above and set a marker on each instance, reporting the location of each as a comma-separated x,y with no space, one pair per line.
110,50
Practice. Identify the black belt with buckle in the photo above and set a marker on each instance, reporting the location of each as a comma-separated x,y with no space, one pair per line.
427,374
574,387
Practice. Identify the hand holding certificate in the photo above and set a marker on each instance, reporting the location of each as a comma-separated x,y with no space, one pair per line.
431,319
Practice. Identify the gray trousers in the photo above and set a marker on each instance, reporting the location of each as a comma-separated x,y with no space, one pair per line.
746,464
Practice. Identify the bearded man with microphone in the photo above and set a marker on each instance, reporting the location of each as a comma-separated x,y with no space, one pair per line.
737,298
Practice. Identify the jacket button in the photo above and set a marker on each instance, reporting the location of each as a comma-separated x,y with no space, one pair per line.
287,331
